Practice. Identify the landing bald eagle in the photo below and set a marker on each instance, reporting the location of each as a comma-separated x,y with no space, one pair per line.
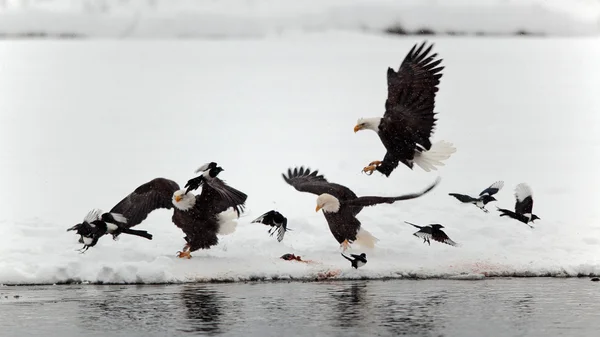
341,206
201,217
409,120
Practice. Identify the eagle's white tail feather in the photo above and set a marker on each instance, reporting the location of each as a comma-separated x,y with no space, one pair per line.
365,239
227,221
438,152
119,217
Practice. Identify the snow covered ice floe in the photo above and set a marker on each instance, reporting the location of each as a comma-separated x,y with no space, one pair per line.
111,124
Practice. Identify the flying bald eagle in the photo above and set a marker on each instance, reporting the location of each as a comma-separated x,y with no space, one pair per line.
409,120
341,206
201,217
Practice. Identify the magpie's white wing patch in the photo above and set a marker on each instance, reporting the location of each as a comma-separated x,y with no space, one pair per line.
523,191
202,168
423,235
493,188
93,215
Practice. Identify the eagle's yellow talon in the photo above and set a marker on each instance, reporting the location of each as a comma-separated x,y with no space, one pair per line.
369,169
375,163
345,245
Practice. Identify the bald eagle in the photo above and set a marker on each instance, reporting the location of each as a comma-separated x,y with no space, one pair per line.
409,120
341,206
201,217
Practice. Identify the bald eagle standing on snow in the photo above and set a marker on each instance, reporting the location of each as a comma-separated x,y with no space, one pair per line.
201,217
409,120
341,206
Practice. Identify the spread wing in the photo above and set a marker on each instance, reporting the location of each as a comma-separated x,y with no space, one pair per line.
524,196
218,196
304,180
440,236
493,188
409,116
155,194
371,201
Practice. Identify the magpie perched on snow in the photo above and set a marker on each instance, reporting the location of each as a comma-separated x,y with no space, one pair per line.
484,197
433,231
357,261
276,220
96,224
523,206
209,170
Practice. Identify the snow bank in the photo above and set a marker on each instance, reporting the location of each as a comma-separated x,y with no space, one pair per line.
258,18
84,123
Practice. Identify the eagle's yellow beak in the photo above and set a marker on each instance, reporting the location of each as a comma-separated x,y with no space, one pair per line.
357,128
178,198
318,208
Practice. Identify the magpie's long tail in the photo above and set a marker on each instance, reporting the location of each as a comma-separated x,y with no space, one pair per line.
347,258
143,234
506,212
414,224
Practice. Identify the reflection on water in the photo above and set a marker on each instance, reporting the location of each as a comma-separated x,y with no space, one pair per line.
204,309
532,307
350,305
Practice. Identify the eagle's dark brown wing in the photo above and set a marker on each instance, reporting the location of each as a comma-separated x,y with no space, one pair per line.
155,194
304,180
409,118
372,200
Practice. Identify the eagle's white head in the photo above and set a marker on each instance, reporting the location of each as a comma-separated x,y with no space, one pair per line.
184,201
368,124
328,203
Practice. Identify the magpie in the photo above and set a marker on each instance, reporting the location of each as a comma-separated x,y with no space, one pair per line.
484,197
433,231
96,224
276,220
357,261
209,170
523,206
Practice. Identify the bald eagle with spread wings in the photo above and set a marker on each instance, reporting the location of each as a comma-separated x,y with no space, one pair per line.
201,217
408,122
341,205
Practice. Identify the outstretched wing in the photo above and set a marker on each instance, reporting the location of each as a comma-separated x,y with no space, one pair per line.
219,196
155,194
440,236
304,180
524,196
493,189
409,118
371,201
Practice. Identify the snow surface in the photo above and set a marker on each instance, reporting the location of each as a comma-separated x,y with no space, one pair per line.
257,18
83,123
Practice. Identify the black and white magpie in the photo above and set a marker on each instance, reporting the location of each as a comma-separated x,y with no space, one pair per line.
357,261
432,231
484,197
276,220
209,170
523,206
97,223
